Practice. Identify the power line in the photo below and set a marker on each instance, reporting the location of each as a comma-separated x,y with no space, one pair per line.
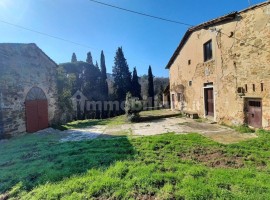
45,34
48,35
119,8
143,14
243,42
166,20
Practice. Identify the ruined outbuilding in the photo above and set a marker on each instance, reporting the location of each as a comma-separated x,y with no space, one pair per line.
28,92
221,69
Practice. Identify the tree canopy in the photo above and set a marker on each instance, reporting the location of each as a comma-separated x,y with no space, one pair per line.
89,58
73,58
136,87
151,93
103,80
121,75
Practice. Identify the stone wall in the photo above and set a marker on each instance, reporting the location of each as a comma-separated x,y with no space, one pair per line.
23,67
241,56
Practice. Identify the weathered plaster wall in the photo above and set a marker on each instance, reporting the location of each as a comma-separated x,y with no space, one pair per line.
24,67
199,72
236,62
249,58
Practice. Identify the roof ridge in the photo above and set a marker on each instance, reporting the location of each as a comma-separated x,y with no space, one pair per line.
204,25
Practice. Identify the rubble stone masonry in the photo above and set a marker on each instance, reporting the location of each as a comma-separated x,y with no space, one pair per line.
22,67
241,59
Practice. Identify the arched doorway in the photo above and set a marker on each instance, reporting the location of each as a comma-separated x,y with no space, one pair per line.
36,109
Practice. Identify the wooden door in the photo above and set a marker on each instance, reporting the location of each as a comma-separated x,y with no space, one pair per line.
254,113
36,110
31,110
36,115
42,114
209,101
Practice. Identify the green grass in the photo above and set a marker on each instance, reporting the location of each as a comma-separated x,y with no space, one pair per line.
200,120
92,122
163,167
243,129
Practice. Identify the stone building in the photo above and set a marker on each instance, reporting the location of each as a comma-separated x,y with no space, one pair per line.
221,69
28,93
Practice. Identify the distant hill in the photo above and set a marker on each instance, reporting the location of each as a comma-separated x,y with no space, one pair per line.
160,83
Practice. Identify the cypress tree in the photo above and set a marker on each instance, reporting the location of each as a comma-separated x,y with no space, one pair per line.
104,84
151,86
121,75
74,58
136,87
97,65
89,58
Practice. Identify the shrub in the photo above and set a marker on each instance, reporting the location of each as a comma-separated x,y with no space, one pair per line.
133,106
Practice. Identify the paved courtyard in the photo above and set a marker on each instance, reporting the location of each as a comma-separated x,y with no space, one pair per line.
216,132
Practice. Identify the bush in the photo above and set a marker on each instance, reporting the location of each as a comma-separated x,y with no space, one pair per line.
133,106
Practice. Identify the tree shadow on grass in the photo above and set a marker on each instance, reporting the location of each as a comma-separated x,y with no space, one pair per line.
37,159
81,124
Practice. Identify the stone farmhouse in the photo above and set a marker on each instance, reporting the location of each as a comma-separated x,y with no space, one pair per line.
28,93
221,69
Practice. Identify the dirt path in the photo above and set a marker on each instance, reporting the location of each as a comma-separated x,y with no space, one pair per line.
216,132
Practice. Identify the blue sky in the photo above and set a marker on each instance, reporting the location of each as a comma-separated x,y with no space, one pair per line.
145,41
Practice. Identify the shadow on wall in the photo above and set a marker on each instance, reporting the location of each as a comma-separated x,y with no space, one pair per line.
39,158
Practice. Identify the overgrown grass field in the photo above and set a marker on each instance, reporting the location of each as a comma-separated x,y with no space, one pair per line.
163,167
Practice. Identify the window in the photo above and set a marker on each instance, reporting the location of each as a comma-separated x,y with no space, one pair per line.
189,62
190,83
253,87
255,103
207,50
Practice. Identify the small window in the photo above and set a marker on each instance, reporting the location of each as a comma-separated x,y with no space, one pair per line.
246,87
262,87
190,83
189,62
253,87
255,103
207,50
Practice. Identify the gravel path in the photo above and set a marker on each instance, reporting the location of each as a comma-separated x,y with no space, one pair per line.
216,132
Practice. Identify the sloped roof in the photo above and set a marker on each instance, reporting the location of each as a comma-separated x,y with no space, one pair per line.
206,25
9,50
167,90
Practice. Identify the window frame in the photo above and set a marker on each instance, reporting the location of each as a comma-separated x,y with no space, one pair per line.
208,50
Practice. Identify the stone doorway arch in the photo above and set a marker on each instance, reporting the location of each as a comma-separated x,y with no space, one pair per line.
36,109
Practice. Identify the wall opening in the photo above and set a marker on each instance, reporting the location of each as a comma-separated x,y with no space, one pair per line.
253,87
262,87
253,112
246,88
209,101
36,110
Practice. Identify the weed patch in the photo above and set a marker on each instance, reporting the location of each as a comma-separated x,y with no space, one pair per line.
213,157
